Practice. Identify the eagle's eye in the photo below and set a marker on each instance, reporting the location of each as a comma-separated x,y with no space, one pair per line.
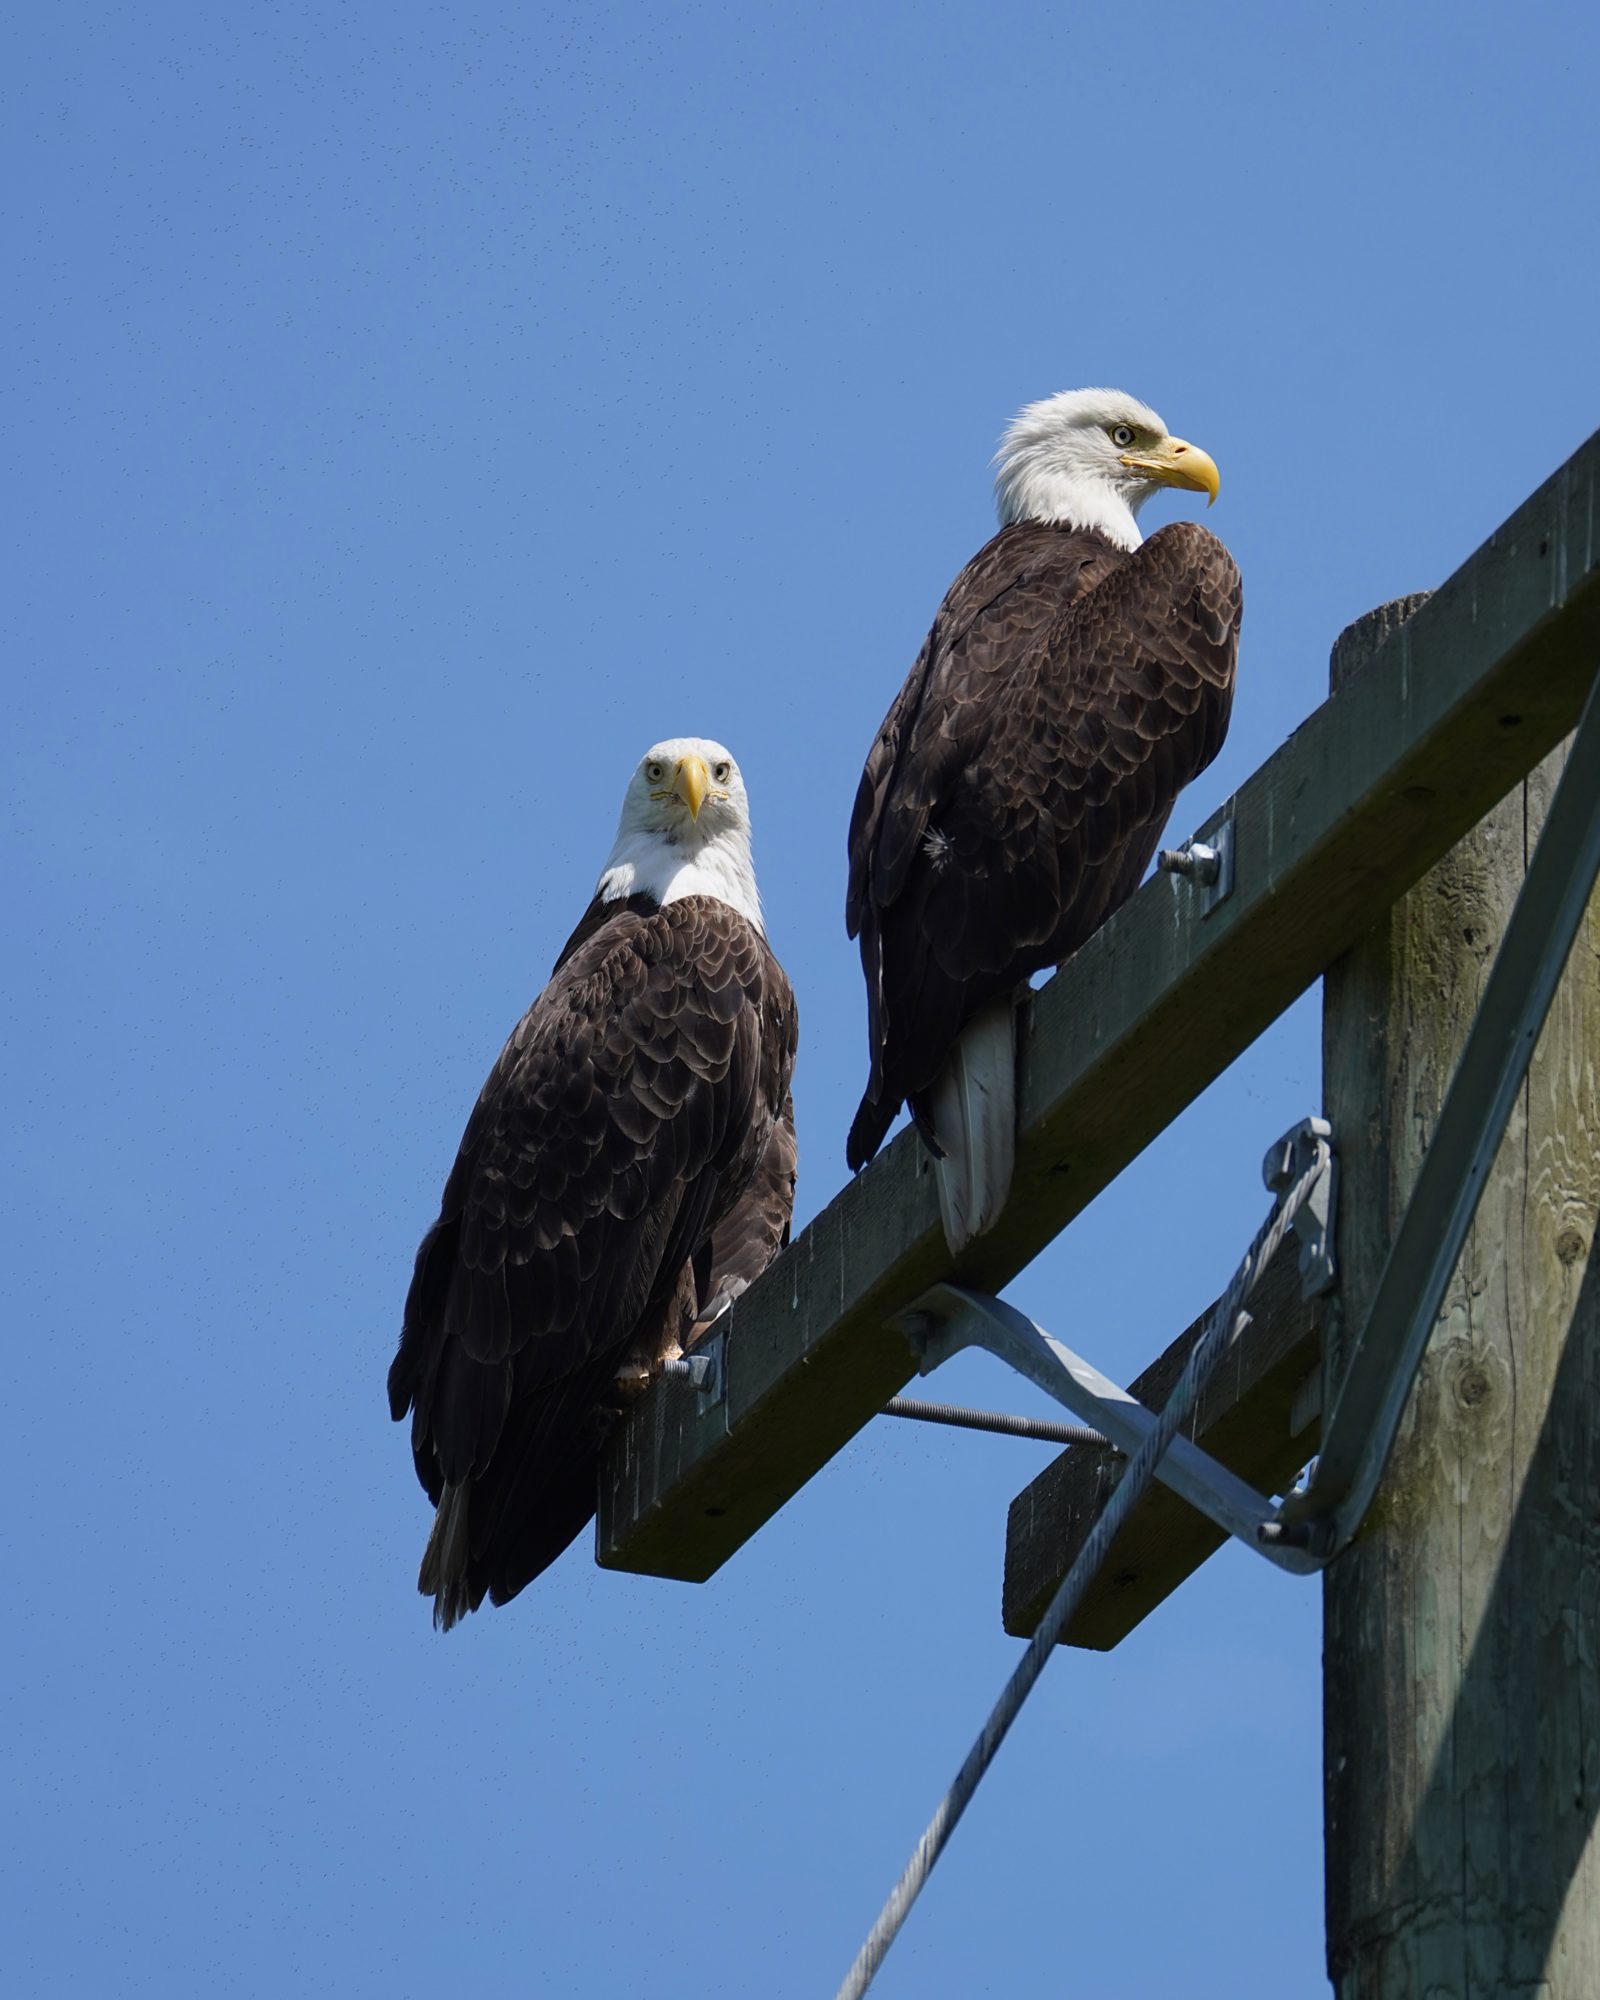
655,772
721,771
1122,435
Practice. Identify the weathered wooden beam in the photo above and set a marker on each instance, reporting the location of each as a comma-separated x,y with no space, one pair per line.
1260,1416
1364,797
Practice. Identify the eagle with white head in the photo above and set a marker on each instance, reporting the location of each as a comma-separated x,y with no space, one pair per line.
1075,679
628,1169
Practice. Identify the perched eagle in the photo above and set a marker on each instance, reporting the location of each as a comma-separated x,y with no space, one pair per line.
1075,679
628,1169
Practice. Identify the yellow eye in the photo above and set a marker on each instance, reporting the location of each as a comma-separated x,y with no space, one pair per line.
721,772
1121,436
655,772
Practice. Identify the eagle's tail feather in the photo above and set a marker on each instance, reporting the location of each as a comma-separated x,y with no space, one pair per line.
443,1575
974,1106
871,1122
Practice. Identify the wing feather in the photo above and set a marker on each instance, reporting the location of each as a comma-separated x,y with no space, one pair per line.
757,1227
1020,783
623,1119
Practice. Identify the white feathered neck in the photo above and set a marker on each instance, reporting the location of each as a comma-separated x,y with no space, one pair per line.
1056,462
662,852
651,864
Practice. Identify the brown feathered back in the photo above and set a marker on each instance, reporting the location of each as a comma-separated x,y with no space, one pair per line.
1014,796
623,1123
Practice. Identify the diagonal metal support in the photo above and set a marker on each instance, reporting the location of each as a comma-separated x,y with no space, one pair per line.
949,1319
1360,1433
1300,1169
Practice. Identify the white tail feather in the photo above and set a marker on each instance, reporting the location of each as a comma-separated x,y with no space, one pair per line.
443,1576
974,1105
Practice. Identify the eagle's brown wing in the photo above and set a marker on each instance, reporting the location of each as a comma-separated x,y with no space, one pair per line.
623,1120
997,612
1035,757
757,1227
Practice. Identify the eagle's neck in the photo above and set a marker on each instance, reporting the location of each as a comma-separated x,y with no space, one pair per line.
1027,490
651,864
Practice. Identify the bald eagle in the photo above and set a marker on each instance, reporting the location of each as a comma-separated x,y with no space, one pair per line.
628,1168
1074,681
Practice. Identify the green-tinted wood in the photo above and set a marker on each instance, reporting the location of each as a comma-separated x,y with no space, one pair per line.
1369,792
1462,1628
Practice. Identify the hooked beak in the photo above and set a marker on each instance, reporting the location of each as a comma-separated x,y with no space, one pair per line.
690,782
1174,462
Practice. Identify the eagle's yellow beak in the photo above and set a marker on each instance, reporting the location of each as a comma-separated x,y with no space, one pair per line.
690,782
1175,463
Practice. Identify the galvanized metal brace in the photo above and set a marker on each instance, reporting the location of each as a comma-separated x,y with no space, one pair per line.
950,1318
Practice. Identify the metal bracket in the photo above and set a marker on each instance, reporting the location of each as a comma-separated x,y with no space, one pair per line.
949,1318
1208,864
1317,1218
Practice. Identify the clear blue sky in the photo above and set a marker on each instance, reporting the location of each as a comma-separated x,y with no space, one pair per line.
413,413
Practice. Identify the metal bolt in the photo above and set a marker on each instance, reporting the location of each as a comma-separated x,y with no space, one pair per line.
698,1369
1315,1536
1197,861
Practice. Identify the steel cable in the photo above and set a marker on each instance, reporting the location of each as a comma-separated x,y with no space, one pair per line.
1227,1321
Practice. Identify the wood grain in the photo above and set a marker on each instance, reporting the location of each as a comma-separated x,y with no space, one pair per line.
1462,1629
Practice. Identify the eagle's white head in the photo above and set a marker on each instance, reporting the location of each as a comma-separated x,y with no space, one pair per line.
1091,458
684,830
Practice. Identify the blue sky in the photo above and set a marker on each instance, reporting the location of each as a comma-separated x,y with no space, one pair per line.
412,414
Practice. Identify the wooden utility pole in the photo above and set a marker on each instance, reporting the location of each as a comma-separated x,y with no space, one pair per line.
1462,1629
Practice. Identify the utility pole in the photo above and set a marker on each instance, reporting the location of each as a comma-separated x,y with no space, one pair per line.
1461,1650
